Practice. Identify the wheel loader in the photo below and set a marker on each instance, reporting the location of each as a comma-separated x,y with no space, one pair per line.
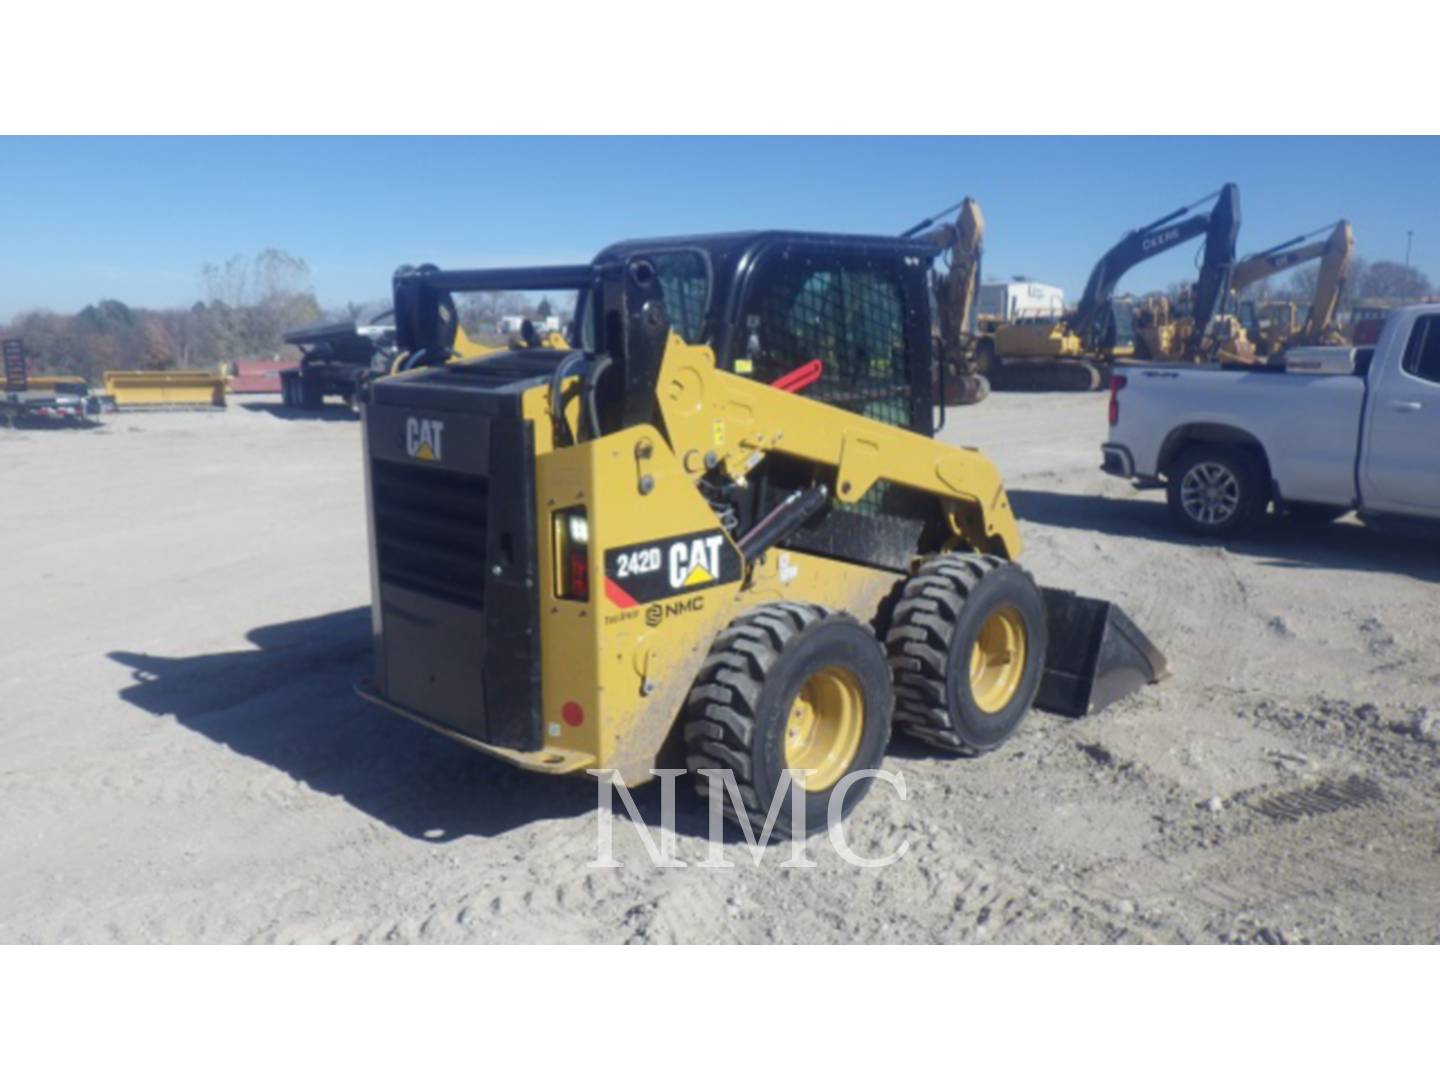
717,530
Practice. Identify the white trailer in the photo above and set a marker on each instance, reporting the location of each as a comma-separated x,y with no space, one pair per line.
1015,300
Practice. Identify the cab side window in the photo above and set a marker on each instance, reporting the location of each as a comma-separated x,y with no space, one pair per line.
685,285
1422,351
850,319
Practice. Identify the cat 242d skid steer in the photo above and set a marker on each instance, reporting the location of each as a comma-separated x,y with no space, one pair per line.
715,531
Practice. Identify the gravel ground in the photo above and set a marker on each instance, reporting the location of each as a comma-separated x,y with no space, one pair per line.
182,759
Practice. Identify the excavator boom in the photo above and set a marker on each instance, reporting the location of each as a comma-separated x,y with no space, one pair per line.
1220,226
1334,271
1335,253
955,288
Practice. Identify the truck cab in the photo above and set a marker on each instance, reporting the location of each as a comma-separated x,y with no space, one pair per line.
1399,460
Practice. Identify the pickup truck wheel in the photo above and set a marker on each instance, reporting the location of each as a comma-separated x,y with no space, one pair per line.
1216,490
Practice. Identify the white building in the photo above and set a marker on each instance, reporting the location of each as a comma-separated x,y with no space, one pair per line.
1016,300
510,324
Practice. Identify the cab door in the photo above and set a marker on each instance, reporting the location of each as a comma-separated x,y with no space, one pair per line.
862,312
1400,462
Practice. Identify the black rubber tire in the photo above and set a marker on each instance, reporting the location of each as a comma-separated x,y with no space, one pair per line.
312,393
736,714
288,394
985,359
932,634
1250,480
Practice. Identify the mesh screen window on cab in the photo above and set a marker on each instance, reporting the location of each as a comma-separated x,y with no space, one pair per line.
853,321
685,286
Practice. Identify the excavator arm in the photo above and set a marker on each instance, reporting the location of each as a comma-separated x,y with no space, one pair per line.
1220,225
1334,271
1334,252
963,241
1255,268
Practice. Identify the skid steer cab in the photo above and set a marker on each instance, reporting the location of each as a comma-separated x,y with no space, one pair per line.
714,530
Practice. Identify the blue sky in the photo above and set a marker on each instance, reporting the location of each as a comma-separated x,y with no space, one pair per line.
135,219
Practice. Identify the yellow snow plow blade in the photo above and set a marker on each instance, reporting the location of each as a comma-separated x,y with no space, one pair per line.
172,389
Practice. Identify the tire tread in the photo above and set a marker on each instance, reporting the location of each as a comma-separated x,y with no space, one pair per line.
919,641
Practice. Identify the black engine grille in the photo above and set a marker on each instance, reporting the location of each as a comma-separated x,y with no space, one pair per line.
430,527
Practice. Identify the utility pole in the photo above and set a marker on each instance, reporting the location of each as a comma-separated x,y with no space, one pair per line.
1409,235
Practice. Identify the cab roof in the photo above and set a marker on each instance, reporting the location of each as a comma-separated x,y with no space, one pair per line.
737,244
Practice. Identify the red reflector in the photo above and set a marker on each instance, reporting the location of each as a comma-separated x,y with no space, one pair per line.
578,584
572,713
1117,383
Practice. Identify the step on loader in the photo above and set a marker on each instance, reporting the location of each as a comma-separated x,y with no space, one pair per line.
715,530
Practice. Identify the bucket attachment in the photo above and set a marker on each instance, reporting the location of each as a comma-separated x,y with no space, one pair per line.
1096,655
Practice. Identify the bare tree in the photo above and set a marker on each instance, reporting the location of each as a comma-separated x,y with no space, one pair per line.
227,284
1300,285
1393,281
277,273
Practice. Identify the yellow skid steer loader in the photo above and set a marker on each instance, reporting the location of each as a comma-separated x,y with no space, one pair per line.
715,528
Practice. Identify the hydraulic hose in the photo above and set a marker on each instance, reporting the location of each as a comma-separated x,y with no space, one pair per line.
563,434
591,424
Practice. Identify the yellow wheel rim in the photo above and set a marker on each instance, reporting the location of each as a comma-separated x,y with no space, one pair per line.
998,660
822,732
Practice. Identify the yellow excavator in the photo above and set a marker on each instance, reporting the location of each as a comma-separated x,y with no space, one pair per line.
1277,325
1165,330
960,245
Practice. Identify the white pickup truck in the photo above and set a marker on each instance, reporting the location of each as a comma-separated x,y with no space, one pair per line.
1335,429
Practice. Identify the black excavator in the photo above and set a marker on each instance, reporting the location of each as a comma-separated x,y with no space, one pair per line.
1076,352
1201,332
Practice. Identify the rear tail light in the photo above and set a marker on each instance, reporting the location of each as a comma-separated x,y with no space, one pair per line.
1117,383
572,554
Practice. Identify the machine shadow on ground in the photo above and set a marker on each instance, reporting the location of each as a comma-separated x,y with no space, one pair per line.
289,703
289,412
1277,541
